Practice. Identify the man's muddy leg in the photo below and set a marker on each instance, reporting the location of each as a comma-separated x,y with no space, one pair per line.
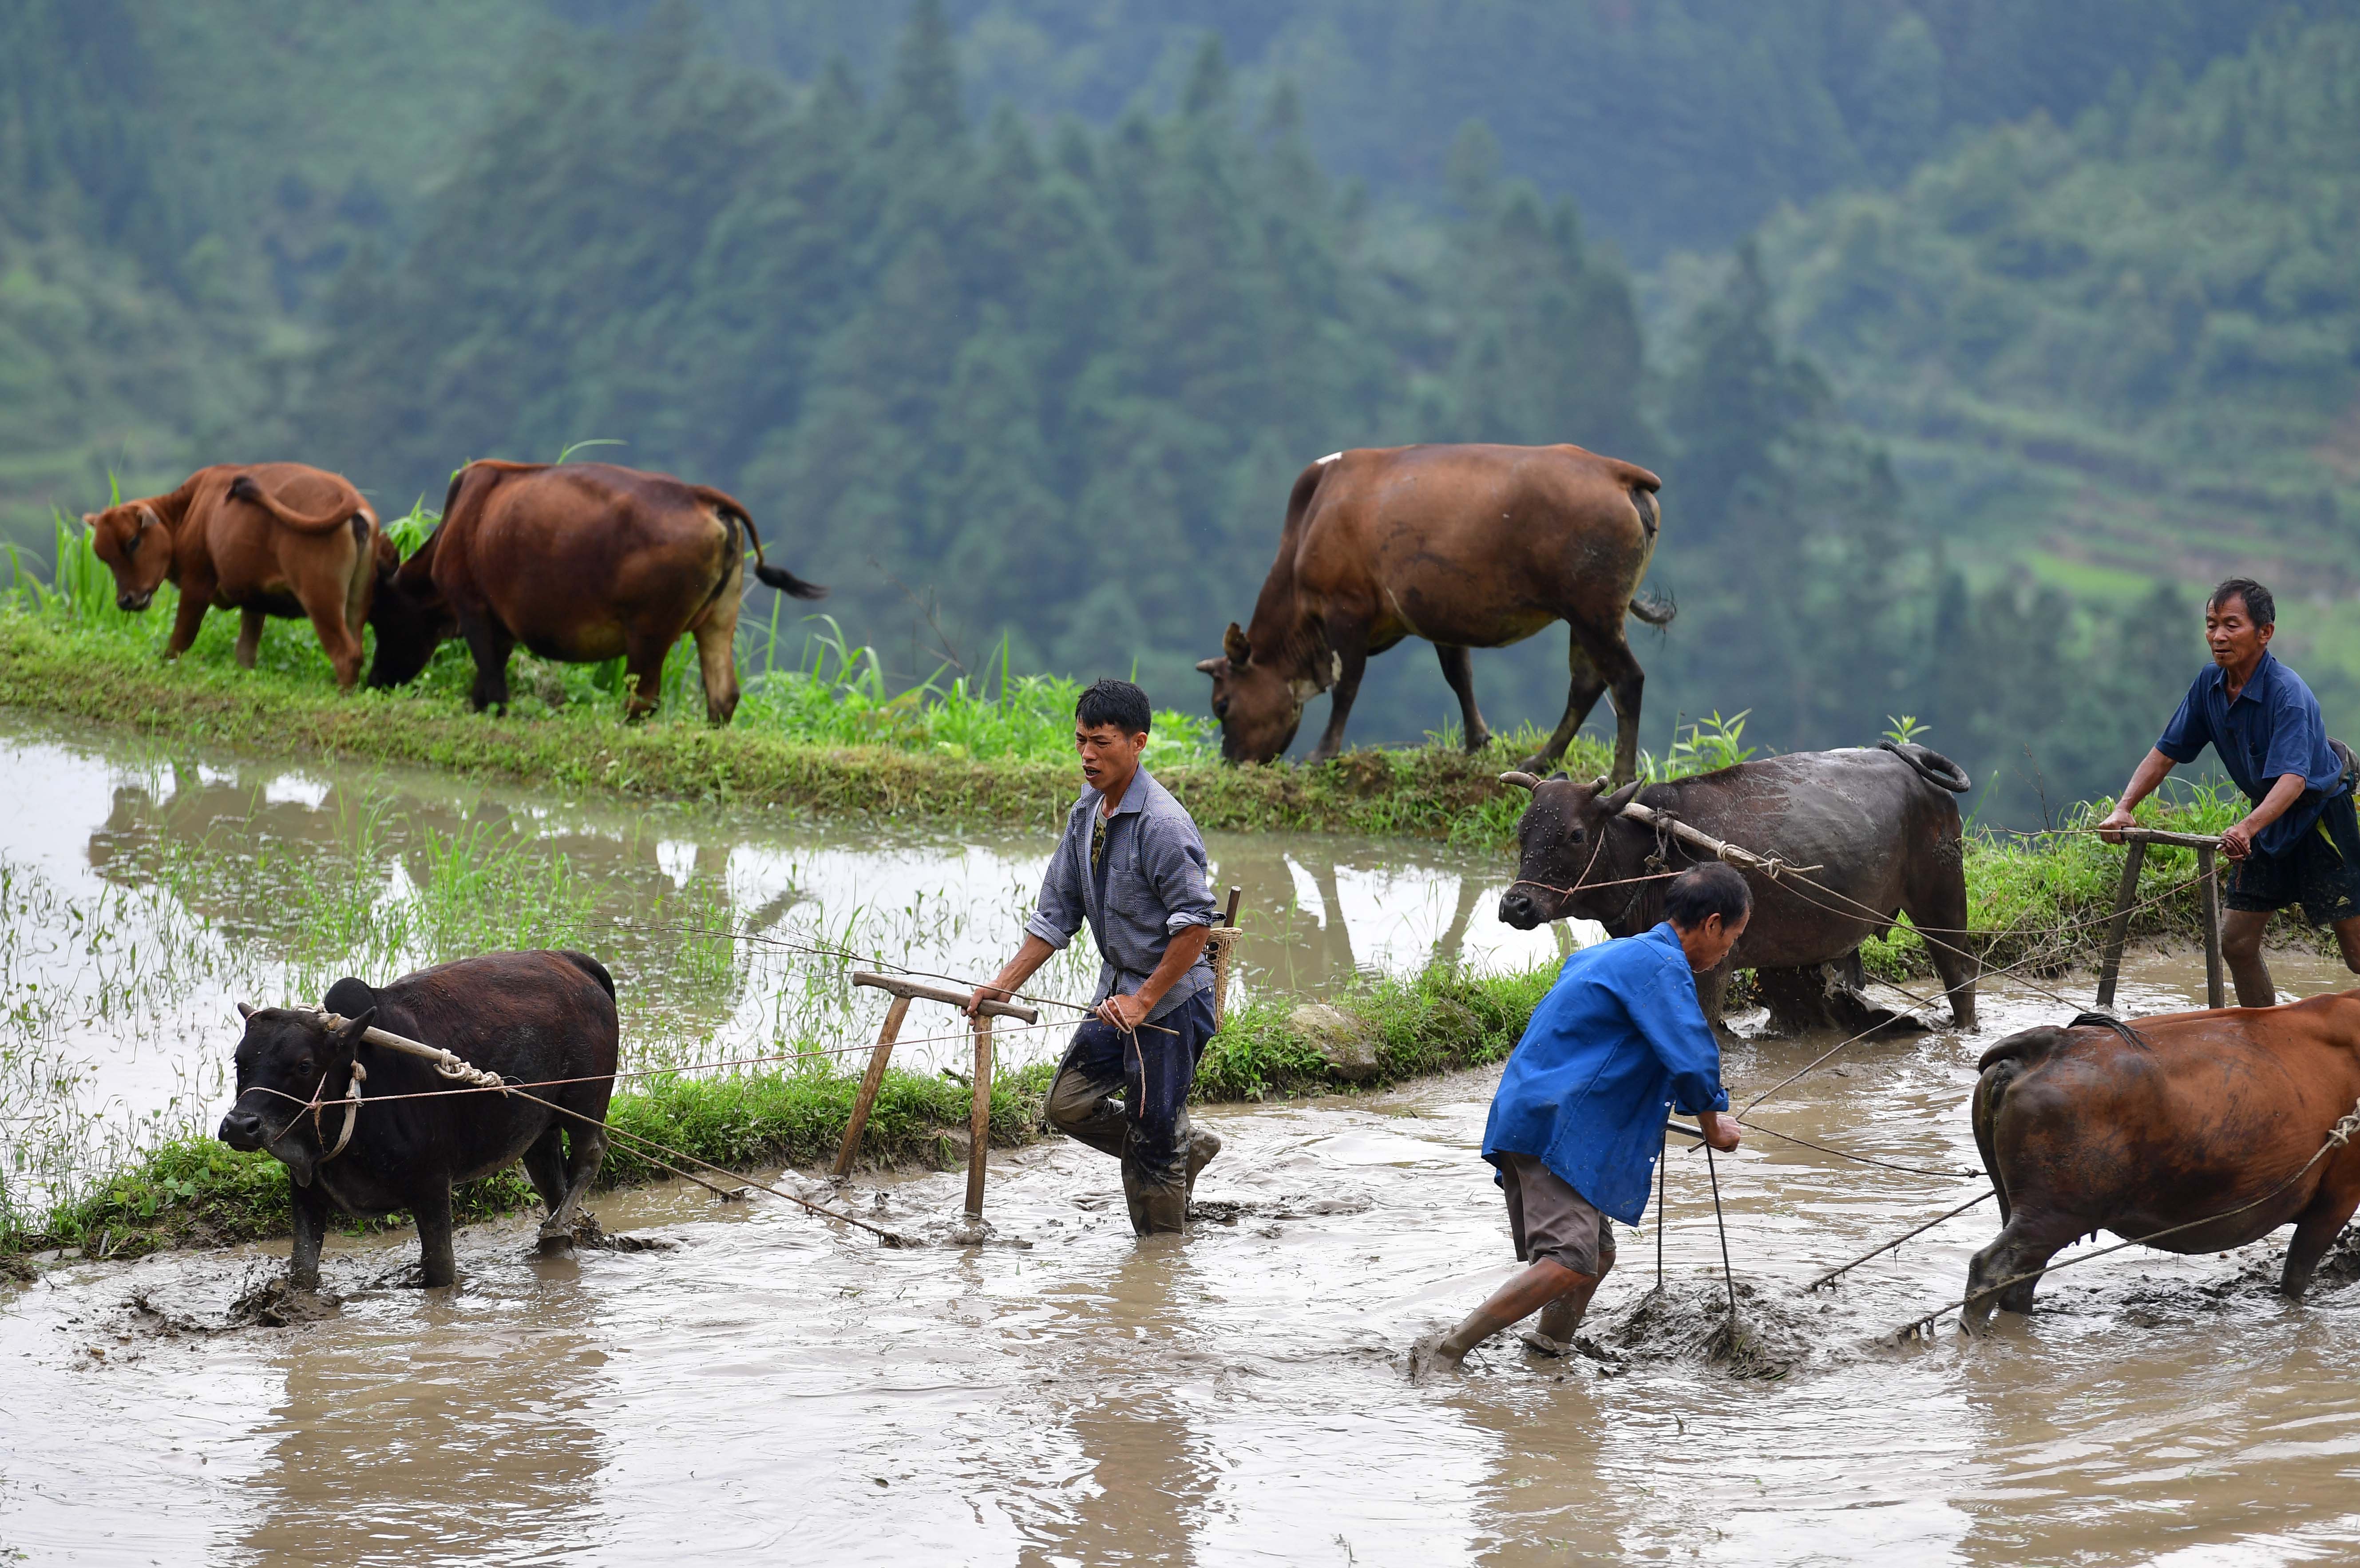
1082,1103
1561,1318
1542,1281
2241,945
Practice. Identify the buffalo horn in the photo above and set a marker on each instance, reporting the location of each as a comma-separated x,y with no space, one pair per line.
1598,783
1520,780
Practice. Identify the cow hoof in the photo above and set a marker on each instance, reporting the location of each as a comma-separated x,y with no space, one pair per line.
556,1242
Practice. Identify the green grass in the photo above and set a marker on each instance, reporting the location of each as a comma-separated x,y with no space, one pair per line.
2042,902
941,754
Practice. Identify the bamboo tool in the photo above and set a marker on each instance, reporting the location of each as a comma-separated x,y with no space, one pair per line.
979,1124
2207,877
1224,937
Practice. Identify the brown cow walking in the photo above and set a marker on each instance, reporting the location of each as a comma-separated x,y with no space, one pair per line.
265,539
2195,1117
1465,546
580,562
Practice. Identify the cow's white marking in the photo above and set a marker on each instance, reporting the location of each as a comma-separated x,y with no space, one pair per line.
1328,458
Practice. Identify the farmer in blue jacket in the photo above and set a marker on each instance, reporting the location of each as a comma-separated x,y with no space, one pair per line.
1578,1119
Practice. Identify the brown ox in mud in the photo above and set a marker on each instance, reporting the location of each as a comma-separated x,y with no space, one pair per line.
1882,825
1465,546
2205,1117
264,539
581,563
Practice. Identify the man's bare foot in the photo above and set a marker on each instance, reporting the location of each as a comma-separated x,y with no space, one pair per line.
1433,1353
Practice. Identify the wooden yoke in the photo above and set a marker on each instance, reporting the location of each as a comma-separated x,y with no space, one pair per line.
904,992
2126,896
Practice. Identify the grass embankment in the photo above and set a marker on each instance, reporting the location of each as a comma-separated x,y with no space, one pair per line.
802,741
2040,904
196,1192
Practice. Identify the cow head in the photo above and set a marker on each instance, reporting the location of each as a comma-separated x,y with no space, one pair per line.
285,1059
1559,851
1258,703
134,542
411,619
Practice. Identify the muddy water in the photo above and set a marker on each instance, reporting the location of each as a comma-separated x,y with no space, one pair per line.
149,891
775,1388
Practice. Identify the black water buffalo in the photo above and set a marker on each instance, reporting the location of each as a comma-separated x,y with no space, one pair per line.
2205,1117
533,1017
1882,826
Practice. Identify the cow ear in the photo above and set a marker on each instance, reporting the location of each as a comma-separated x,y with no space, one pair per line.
90,521
1612,805
1234,645
1216,668
244,1012
350,1035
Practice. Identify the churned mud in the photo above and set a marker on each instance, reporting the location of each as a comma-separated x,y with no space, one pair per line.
1769,1333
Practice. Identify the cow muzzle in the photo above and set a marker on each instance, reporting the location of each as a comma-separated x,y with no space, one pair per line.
135,602
243,1130
1521,910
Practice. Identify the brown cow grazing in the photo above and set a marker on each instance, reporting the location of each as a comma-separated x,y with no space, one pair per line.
265,539
1465,546
2136,1128
580,562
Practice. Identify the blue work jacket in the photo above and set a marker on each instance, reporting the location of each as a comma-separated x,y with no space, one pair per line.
2274,728
1618,1041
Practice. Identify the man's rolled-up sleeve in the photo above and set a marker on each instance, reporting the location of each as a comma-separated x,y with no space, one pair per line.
2189,733
1174,863
1672,1020
1060,910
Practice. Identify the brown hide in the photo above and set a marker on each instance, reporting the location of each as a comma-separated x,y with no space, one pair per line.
1464,546
2083,1129
579,563
264,539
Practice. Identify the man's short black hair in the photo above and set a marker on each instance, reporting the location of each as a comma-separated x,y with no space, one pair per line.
2260,608
1116,703
1709,889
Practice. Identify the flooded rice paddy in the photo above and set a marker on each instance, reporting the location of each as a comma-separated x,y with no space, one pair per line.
775,1388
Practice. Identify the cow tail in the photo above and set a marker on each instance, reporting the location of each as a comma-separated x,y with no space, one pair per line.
244,488
778,577
590,966
2000,1067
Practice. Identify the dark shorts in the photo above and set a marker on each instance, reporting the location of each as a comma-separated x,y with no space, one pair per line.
1549,1219
2321,872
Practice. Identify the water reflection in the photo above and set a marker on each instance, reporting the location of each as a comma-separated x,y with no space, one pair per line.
441,1433
1148,1479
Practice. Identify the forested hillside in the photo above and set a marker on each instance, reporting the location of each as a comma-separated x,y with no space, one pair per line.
1011,317
2140,330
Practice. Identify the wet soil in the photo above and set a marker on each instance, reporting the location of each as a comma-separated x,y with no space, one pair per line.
772,1386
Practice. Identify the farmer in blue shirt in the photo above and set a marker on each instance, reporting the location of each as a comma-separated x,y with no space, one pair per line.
1578,1119
1132,866
2302,842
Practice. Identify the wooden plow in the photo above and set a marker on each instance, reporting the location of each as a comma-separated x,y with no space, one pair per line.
978,1121
2126,896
